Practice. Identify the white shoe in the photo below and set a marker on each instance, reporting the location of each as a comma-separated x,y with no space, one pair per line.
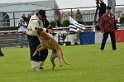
35,65
115,50
100,50
36,69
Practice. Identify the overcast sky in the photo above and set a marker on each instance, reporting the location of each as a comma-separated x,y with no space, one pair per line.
68,3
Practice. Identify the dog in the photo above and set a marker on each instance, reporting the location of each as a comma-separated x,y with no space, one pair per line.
48,42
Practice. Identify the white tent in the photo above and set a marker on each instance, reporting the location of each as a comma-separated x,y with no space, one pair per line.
17,8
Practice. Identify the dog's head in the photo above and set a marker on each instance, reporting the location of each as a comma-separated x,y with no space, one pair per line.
41,32
38,30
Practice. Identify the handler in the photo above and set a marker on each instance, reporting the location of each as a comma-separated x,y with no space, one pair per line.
38,20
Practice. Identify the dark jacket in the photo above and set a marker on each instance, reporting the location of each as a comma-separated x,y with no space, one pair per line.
45,23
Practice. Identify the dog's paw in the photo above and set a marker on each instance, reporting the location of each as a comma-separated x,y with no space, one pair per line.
34,54
60,65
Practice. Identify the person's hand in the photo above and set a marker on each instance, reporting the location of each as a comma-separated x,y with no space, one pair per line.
20,24
50,31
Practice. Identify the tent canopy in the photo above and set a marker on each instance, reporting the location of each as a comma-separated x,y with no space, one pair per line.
15,9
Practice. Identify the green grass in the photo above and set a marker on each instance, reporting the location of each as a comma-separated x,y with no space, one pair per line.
88,64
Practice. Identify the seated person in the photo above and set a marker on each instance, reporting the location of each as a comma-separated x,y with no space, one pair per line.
58,22
79,17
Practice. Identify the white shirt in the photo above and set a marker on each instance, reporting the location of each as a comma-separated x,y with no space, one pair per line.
22,28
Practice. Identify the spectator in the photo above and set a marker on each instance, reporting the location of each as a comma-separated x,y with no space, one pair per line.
28,17
22,25
37,20
1,54
24,17
22,29
58,22
57,19
108,26
79,17
102,8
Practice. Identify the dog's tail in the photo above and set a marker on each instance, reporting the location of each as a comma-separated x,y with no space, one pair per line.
64,60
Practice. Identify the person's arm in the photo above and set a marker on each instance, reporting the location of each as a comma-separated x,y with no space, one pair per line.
81,18
77,18
24,24
34,23
18,25
115,26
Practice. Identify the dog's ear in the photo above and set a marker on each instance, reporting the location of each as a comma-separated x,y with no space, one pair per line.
35,27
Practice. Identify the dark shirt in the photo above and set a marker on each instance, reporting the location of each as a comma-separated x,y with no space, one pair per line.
25,19
28,19
102,9
58,23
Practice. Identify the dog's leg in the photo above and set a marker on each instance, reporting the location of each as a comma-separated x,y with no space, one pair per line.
40,48
52,58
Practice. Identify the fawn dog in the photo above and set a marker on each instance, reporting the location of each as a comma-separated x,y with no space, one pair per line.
48,42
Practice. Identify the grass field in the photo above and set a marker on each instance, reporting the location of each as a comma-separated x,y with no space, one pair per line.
88,64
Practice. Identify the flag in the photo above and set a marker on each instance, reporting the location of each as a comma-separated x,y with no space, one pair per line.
74,25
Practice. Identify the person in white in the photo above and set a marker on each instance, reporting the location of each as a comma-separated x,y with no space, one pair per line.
37,20
22,25
22,28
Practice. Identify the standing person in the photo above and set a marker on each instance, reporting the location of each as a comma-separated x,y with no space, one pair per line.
38,20
1,54
102,9
79,17
24,17
108,26
28,17
22,28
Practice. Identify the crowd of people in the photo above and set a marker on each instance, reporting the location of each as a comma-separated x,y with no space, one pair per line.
23,22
